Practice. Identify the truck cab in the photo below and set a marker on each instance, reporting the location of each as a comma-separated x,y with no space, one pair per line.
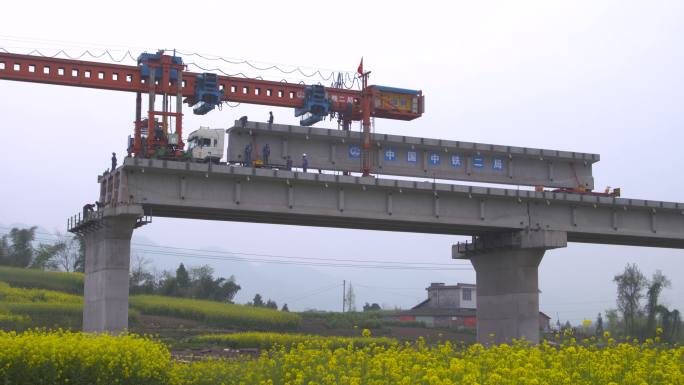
206,144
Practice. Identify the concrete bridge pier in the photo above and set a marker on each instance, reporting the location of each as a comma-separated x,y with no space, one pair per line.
107,261
506,267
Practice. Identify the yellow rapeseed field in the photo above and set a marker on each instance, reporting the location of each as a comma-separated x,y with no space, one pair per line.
62,357
215,313
264,340
21,295
445,364
76,358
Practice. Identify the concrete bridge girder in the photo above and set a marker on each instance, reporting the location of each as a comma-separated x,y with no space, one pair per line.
409,156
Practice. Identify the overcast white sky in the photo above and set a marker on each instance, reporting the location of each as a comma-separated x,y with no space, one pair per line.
588,76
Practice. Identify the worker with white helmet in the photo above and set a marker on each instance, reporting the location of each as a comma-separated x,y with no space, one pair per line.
305,163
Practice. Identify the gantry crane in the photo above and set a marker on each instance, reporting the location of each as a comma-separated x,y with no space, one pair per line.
165,75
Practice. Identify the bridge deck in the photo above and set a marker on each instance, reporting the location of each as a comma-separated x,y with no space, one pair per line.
234,193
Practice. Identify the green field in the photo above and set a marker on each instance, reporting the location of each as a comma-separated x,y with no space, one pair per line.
271,340
39,279
215,313
34,298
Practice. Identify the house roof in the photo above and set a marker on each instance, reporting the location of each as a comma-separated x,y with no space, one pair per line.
456,286
421,304
431,311
453,312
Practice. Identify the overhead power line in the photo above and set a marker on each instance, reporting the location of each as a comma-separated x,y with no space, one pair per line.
395,266
285,260
248,254
347,79
310,293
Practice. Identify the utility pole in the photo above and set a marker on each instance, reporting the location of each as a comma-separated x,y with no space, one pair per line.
344,289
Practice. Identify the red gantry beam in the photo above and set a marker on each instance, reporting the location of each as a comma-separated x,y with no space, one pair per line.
117,77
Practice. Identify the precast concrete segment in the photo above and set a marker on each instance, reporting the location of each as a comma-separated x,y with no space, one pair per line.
413,156
235,193
107,261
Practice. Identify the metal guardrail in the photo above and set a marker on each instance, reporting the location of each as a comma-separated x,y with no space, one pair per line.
484,244
79,222
91,220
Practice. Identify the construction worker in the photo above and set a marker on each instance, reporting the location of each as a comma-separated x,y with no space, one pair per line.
87,209
288,163
243,121
305,163
113,161
248,154
270,118
266,152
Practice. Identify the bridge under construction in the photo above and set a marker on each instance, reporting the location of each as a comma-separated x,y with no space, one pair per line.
511,228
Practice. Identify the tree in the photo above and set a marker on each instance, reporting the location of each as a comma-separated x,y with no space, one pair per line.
44,256
141,279
613,320
285,308
671,323
271,304
182,277
79,262
4,250
168,285
676,325
630,285
655,287
67,255
20,250
599,324
258,301
373,307
205,286
199,272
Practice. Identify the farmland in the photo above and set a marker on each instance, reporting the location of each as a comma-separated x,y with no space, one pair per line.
271,340
215,313
26,302
62,356
33,278
65,358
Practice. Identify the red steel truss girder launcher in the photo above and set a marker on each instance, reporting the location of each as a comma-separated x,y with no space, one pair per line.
117,77
128,78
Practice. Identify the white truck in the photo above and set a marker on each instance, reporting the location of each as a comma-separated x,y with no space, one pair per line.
206,144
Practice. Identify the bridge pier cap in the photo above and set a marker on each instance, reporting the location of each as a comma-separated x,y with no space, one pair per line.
506,267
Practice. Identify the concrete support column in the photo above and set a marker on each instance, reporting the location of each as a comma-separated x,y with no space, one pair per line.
507,295
506,266
107,261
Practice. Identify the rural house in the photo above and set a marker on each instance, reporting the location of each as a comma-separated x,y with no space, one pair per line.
451,306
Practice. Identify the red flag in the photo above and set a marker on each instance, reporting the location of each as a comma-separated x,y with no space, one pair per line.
360,69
